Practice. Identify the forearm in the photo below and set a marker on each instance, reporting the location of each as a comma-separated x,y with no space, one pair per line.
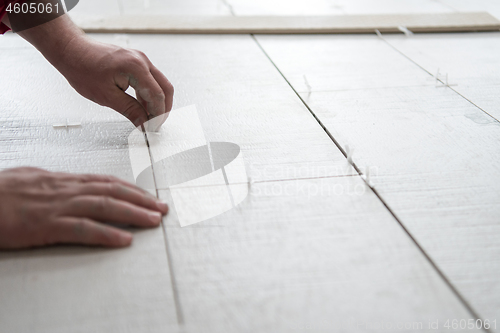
102,72
5,20
53,37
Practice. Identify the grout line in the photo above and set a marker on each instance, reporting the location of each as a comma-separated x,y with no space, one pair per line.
445,278
177,302
227,187
303,102
425,70
477,106
267,181
304,178
377,194
229,7
120,7
368,88
447,5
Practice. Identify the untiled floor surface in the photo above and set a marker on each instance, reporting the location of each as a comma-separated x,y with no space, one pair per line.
312,248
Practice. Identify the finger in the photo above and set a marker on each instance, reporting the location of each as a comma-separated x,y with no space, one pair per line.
108,209
86,231
88,178
153,124
145,85
158,77
127,106
112,181
166,86
123,193
142,102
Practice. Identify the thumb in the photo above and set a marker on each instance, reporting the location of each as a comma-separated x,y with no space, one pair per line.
128,106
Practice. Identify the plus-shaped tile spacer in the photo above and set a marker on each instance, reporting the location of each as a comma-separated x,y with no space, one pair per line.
67,125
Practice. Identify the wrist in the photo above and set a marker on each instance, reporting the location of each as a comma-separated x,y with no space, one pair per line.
53,38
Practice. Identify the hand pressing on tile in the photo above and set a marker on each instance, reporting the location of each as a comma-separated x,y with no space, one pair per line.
39,208
102,72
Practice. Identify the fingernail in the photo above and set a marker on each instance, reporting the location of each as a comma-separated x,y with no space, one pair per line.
162,206
125,238
155,217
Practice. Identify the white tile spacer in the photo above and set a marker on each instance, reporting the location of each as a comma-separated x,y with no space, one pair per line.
228,6
67,125
446,83
250,182
309,88
349,152
366,177
437,78
121,40
405,30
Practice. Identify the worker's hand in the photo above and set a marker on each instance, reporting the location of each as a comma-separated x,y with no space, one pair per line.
102,72
39,208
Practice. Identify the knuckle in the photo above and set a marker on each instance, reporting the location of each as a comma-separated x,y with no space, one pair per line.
78,231
127,58
73,201
170,88
28,169
160,96
141,54
64,199
104,234
104,202
85,178
122,189
130,112
51,234
129,108
80,226
135,60
111,188
47,184
100,204
70,205
106,178
137,118
113,179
